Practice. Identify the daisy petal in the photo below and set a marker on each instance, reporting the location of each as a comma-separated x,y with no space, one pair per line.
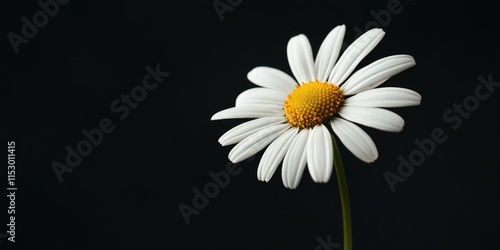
300,58
249,111
328,52
369,76
320,154
272,78
388,97
354,54
378,118
274,154
256,142
260,96
355,139
248,128
295,160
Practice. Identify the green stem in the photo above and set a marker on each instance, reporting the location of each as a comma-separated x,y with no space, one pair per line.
344,196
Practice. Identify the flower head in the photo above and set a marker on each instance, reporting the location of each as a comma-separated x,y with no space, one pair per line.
296,117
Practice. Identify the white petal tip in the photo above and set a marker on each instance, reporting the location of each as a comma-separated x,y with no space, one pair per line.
372,160
323,181
263,178
300,36
218,116
380,31
234,160
215,117
293,185
250,74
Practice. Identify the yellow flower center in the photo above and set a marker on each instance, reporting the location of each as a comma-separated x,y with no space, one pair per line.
312,103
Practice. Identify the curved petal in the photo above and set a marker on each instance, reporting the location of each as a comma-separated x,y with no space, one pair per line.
272,78
295,160
274,154
388,97
256,142
248,128
355,139
354,54
249,111
378,118
328,52
300,58
260,96
369,76
320,154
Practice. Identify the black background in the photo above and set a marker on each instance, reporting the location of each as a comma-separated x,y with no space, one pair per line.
126,193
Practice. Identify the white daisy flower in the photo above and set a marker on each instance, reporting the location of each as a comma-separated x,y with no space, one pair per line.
295,117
